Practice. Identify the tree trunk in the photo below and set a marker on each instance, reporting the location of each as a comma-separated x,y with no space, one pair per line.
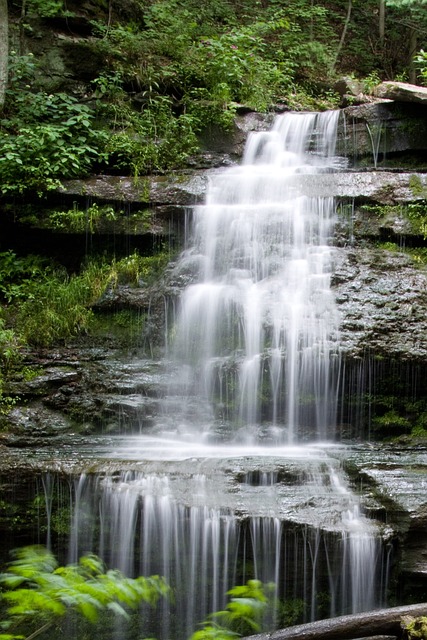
413,46
359,625
4,50
343,34
381,20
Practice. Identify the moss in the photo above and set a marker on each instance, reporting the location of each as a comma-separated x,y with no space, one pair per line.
125,327
419,190
391,421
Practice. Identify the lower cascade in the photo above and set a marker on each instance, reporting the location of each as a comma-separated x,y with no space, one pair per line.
239,477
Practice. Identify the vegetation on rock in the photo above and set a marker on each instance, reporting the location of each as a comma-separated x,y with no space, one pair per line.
168,69
154,76
44,305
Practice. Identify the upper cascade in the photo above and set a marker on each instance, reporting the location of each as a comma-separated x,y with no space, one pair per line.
257,331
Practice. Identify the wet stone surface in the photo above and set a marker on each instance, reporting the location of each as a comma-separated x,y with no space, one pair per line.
382,301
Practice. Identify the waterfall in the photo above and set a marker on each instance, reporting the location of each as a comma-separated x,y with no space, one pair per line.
223,489
257,331
174,525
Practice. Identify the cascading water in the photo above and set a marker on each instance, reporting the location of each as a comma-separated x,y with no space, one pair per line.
223,490
258,330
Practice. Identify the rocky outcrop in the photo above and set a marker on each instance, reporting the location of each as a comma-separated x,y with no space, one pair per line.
382,301
383,130
180,190
401,92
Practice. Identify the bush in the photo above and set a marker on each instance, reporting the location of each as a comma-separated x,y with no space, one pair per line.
37,592
421,63
242,616
58,307
46,305
44,137
36,155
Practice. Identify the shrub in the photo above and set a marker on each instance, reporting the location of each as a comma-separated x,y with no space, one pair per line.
242,616
44,137
37,592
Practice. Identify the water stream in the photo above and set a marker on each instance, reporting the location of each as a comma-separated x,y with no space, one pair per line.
257,331
238,479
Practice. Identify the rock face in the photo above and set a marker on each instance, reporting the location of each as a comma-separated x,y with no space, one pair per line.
382,299
181,190
176,190
401,92
376,133
380,290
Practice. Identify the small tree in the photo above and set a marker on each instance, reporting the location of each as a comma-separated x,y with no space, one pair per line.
4,50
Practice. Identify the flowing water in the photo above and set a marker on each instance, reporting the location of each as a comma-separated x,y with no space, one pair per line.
222,489
257,332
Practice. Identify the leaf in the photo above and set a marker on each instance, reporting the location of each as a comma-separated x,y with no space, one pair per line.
117,609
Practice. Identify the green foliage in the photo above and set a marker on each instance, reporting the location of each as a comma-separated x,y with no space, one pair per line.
391,420
10,353
421,63
46,8
194,64
414,212
242,616
370,81
44,137
10,356
45,304
233,66
419,432
417,214
17,274
79,220
292,612
37,592
307,46
136,269
415,628
173,70
153,140
57,307
417,187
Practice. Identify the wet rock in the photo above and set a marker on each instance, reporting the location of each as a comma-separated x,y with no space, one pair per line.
382,129
397,477
87,396
169,197
124,297
50,379
177,189
382,300
230,144
34,425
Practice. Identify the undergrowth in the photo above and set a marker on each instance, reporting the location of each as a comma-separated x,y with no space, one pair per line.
43,305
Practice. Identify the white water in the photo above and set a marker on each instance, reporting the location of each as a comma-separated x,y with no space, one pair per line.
224,490
207,532
258,330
